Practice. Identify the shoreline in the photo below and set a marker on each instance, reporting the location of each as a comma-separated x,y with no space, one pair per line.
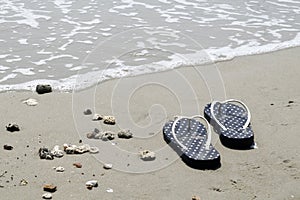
265,82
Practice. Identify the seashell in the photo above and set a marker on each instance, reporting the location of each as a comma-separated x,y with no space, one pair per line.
109,120
97,117
108,135
57,152
42,89
47,196
109,190
98,136
82,149
44,153
87,111
65,145
125,134
30,102
94,150
77,164
147,155
91,184
107,166
23,182
195,198
8,147
49,188
59,169
11,127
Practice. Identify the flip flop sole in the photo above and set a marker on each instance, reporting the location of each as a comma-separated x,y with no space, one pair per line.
192,134
233,116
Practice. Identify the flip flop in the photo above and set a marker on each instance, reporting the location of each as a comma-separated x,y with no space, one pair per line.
192,141
232,123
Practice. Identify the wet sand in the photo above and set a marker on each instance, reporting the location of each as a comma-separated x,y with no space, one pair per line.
267,83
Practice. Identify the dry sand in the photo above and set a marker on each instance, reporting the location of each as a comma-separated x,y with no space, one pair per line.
266,83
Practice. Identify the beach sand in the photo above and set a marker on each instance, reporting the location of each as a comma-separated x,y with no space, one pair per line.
267,83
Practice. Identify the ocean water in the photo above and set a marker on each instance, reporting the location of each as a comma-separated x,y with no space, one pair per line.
76,44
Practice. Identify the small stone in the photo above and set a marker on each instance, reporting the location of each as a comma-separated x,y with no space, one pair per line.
109,120
107,166
8,147
12,127
125,134
87,111
23,182
77,165
195,198
97,117
108,135
49,188
44,153
59,169
147,155
42,89
30,102
47,196
91,184
90,135
291,101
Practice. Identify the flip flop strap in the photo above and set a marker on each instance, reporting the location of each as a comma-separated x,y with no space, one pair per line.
230,100
177,118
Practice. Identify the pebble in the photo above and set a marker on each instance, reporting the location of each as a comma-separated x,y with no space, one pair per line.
87,111
195,198
77,165
12,127
97,117
125,134
23,182
147,155
47,196
45,153
30,102
91,184
49,188
108,135
109,120
107,166
42,89
8,147
59,169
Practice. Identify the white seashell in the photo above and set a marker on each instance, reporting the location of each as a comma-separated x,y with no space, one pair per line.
109,120
108,135
109,190
30,102
59,169
94,150
92,183
97,117
23,182
47,196
125,134
147,155
107,166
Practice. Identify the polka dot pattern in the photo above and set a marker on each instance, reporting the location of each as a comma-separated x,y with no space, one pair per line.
193,135
233,117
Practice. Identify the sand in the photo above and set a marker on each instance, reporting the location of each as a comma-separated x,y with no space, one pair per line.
267,83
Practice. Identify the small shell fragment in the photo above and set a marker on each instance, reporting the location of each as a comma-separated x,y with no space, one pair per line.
108,135
47,196
91,184
23,182
147,155
30,102
59,169
107,166
49,188
57,152
45,153
195,198
109,190
109,120
97,117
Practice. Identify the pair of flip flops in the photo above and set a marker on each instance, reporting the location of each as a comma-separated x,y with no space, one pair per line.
192,140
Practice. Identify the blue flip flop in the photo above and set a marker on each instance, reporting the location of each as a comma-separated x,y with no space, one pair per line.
192,141
232,123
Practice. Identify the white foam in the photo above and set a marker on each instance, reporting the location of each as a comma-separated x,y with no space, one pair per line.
24,71
23,41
